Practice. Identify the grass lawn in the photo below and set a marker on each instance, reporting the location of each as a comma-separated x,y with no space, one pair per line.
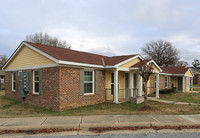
12,108
182,97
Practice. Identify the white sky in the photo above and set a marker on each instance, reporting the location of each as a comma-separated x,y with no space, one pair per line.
107,27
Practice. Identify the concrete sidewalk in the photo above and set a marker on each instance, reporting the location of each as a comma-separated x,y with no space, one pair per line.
171,102
86,122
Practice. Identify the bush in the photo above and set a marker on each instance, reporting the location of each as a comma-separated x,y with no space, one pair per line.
167,91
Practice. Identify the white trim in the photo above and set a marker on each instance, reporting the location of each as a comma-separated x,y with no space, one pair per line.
123,69
110,67
90,82
123,62
154,64
135,68
167,82
34,82
79,64
13,82
35,49
41,52
34,67
166,74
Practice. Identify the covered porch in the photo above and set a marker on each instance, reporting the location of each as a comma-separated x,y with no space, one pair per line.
122,84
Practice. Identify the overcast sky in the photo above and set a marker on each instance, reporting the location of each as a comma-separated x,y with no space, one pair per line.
107,27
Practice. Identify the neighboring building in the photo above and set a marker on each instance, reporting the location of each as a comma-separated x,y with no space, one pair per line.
60,78
181,78
2,76
196,79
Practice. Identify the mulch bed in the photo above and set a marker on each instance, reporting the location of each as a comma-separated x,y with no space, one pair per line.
100,130
49,130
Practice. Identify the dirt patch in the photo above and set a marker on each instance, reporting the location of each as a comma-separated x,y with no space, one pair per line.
100,130
146,108
49,130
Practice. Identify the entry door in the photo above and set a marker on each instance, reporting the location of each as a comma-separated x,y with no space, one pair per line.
180,85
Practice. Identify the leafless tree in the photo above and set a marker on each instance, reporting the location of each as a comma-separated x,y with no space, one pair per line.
46,39
196,63
145,71
162,52
181,63
3,60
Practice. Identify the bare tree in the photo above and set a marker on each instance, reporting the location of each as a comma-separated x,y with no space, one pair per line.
181,63
196,63
46,39
162,52
145,71
3,60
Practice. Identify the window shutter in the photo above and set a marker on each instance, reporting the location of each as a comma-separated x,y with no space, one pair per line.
97,81
16,80
40,81
10,81
81,82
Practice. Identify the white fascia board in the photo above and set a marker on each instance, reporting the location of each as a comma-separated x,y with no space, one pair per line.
79,64
155,64
178,74
165,74
110,67
15,52
123,69
41,52
35,49
34,67
123,62
135,68
191,71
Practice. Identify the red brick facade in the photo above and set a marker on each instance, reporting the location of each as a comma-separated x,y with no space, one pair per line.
162,82
60,89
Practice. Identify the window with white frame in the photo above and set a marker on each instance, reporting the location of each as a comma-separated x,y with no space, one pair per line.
88,82
13,81
166,81
36,82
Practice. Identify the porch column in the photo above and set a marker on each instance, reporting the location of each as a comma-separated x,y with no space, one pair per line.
116,100
183,84
140,82
157,85
131,83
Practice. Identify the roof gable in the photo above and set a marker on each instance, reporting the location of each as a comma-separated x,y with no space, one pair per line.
27,57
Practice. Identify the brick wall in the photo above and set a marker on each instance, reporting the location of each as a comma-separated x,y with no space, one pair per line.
162,82
49,97
60,89
70,89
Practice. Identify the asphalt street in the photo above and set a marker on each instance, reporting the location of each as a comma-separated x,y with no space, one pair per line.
135,135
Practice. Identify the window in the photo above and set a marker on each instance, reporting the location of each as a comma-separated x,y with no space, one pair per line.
166,82
13,81
88,82
112,83
36,82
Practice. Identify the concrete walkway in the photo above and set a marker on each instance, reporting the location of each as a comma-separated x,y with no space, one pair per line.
171,102
86,122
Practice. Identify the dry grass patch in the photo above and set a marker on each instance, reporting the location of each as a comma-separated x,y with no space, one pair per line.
12,108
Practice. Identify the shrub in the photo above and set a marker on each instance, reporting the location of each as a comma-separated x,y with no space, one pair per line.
167,91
